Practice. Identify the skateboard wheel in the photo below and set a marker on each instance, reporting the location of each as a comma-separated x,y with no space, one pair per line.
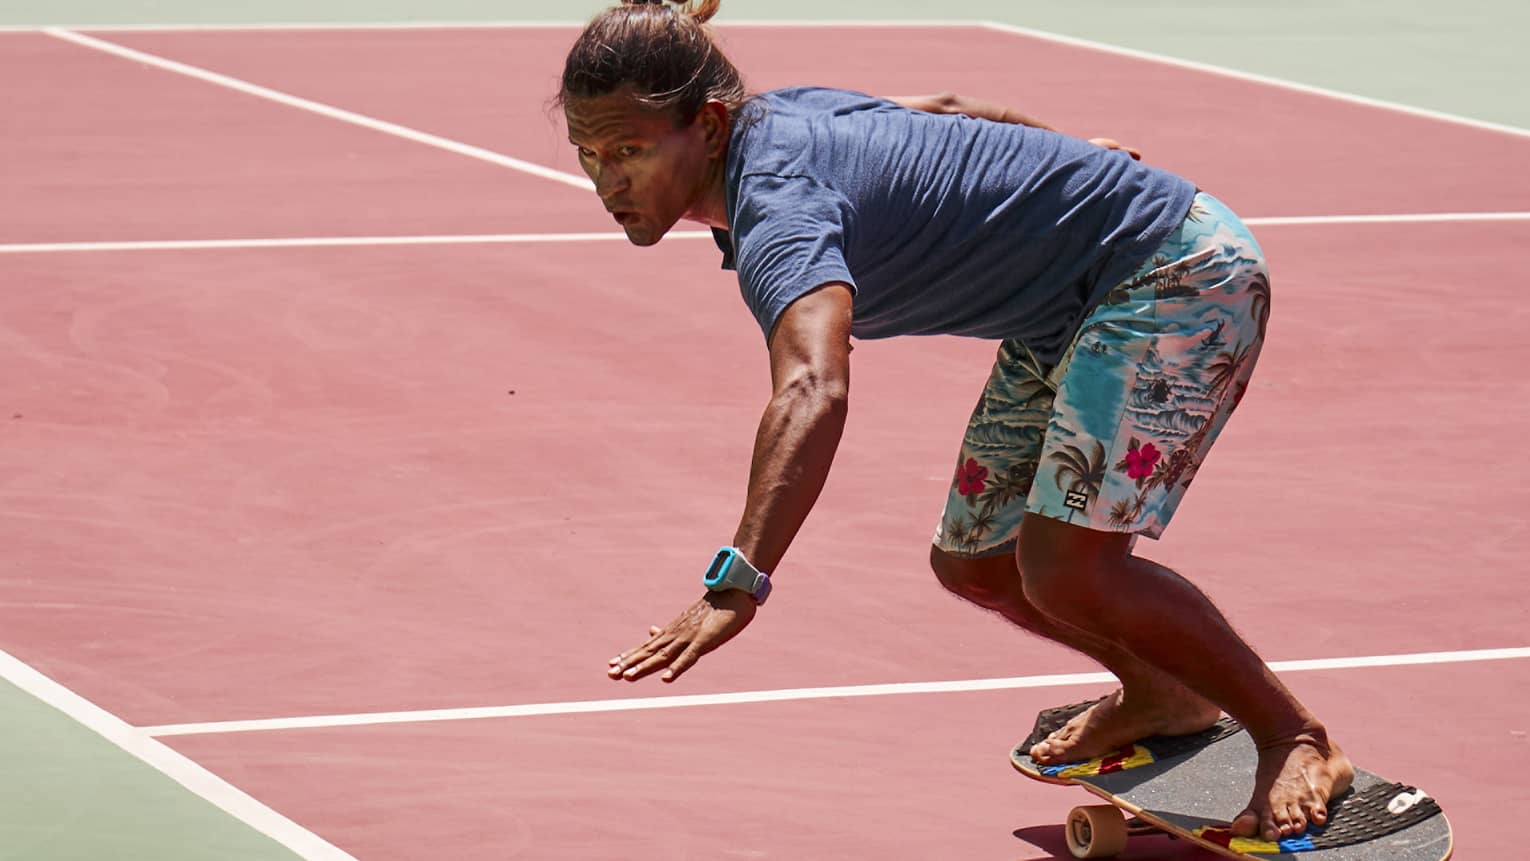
1096,831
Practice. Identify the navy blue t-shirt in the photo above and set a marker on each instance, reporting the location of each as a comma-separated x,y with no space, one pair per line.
942,224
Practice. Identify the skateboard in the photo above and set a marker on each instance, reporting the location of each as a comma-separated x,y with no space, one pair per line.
1191,788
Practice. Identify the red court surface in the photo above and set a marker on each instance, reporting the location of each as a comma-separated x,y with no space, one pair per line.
116,151
267,483
491,88
335,429
905,777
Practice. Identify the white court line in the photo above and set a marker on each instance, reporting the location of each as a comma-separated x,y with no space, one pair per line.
1253,78
336,241
591,706
323,110
1410,218
160,757
534,238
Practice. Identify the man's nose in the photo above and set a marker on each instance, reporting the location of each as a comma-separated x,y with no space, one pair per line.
609,182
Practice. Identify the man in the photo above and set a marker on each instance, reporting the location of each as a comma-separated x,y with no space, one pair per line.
1129,307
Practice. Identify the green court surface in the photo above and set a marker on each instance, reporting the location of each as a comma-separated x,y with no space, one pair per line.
70,794
1461,58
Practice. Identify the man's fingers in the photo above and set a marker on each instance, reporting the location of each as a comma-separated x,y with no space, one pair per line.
621,663
656,637
657,661
688,657
653,636
1109,143
626,662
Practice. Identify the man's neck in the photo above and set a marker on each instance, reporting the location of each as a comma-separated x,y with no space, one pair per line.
711,208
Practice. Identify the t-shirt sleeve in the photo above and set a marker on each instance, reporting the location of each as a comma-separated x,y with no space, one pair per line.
788,238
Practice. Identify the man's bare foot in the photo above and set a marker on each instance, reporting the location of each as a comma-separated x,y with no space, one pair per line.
1292,785
1120,719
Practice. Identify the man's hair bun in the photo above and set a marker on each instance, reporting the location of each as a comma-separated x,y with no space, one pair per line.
700,10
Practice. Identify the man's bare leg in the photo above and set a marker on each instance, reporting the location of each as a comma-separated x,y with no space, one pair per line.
1089,580
1149,701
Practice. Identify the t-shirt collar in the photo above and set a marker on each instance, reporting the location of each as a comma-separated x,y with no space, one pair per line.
725,243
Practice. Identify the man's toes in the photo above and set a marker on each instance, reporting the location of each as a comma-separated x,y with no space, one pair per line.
1268,829
1287,822
1247,824
1269,826
1050,747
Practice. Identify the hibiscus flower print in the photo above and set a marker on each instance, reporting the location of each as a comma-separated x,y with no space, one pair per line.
971,478
1140,461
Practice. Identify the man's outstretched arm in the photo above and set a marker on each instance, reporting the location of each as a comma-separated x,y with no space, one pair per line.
951,103
793,449
800,431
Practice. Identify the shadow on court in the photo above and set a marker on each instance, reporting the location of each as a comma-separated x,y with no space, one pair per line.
1050,840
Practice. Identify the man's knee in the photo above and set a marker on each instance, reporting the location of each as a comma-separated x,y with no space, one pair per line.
988,581
1067,570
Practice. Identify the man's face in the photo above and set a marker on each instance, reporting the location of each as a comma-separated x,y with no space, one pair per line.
648,172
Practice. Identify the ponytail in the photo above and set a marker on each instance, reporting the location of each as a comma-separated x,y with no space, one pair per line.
701,11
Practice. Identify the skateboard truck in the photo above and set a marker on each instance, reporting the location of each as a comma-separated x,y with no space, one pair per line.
1102,830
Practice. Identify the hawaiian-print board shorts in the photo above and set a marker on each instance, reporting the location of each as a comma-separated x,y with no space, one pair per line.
1110,438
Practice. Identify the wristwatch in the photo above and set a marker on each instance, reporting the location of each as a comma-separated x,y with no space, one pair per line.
730,570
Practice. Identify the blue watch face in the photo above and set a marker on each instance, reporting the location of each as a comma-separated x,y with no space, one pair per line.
717,572
721,574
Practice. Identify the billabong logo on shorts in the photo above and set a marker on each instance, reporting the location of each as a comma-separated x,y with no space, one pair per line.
1076,500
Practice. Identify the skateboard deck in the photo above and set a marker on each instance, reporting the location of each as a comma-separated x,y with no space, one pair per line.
1192,787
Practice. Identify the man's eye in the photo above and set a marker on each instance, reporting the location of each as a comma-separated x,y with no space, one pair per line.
585,153
626,151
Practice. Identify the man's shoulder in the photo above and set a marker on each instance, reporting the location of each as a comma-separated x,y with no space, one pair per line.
778,130
803,100
808,104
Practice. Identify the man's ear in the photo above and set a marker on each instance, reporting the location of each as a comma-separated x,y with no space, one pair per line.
715,124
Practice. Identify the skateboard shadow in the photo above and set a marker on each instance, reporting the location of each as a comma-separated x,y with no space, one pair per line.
1050,839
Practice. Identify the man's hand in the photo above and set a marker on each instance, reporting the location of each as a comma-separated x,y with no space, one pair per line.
951,103
1110,144
707,624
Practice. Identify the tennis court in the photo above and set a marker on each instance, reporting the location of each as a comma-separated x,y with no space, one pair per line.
331,403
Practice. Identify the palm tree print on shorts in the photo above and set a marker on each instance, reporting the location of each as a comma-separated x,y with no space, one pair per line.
1085,474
